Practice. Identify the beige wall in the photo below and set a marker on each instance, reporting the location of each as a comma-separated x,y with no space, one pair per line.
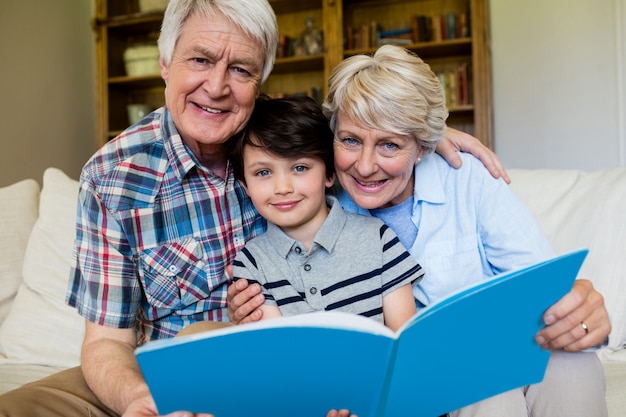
559,71
47,82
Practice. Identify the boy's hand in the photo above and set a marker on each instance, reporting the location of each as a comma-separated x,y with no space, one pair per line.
244,302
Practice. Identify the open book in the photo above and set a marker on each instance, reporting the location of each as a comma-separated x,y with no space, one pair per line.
472,345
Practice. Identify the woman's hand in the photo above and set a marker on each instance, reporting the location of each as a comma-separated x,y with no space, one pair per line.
578,321
244,302
456,141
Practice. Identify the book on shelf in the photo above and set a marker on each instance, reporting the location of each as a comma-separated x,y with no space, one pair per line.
438,27
422,28
401,37
286,46
455,80
476,343
395,41
365,35
349,41
463,84
451,29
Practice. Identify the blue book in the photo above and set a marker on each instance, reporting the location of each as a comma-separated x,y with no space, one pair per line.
474,344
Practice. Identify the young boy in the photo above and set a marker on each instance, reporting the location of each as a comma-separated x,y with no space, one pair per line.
314,256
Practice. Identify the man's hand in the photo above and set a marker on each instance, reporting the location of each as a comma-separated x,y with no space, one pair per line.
456,141
578,321
144,407
244,302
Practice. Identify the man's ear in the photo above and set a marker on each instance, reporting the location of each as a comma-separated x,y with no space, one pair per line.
164,70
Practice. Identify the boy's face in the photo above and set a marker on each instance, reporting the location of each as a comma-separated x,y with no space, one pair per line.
289,192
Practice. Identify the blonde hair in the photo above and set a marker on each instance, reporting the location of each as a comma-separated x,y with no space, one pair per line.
394,91
256,18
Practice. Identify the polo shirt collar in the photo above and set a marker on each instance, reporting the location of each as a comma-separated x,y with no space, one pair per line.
332,227
326,237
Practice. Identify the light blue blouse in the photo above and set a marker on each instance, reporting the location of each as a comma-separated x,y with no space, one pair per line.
470,227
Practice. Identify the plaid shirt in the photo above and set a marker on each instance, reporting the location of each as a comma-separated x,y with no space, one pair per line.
155,231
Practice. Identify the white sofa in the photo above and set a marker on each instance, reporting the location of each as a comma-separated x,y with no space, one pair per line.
40,335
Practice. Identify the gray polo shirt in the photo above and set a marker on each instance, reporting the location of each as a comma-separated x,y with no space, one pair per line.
353,263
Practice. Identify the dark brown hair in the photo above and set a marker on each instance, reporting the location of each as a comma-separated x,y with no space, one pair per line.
286,127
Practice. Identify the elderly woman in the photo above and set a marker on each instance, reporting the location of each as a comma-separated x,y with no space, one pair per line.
388,113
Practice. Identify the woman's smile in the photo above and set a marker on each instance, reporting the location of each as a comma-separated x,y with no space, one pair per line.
370,184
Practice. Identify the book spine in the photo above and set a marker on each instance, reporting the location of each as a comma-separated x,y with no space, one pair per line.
436,25
451,22
415,29
349,41
463,88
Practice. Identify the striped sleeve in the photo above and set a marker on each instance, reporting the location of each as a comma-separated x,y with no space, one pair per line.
399,267
245,267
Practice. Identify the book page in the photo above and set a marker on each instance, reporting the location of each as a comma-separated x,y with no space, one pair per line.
322,319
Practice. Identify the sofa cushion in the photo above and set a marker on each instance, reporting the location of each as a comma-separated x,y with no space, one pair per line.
579,209
41,328
18,211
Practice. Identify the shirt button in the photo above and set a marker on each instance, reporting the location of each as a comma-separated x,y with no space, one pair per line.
307,267
298,250
173,269
313,290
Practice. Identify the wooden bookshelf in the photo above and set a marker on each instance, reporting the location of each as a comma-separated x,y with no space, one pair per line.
118,22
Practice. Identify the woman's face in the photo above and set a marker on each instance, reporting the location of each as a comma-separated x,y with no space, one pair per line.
374,167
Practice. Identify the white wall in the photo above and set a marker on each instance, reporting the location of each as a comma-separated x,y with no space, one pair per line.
559,83
47,85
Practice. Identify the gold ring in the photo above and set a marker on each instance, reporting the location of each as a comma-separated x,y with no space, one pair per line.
584,326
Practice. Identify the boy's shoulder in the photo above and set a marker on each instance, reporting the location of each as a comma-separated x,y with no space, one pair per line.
365,227
363,220
358,219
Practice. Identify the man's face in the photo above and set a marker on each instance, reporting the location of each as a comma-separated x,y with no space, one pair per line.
212,81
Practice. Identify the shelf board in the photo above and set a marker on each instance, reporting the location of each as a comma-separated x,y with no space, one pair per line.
369,3
114,133
143,81
292,6
131,19
299,64
449,47
463,108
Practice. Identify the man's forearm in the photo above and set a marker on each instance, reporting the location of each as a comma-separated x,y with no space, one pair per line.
113,374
